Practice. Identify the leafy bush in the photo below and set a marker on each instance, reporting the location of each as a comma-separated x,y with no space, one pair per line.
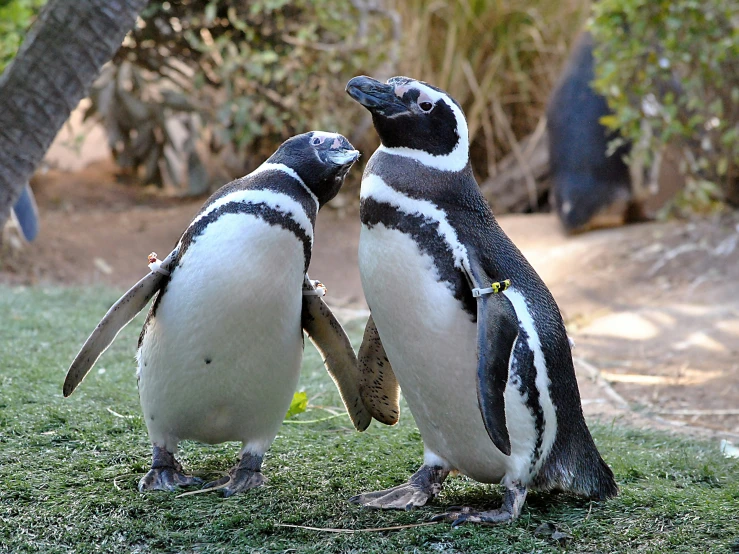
222,83
16,17
670,71
244,76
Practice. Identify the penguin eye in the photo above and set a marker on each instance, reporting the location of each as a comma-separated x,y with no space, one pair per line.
315,141
425,106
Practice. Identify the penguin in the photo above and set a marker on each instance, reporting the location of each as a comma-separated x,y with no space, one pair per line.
219,354
460,321
590,187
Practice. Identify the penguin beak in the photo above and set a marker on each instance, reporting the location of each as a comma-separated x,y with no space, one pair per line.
342,156
379,98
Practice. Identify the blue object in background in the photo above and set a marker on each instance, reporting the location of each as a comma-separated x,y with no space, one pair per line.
585,178
26,213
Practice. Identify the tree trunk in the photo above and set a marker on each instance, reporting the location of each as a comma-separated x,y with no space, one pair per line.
55,66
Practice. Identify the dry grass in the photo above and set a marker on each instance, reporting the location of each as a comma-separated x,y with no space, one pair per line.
499,60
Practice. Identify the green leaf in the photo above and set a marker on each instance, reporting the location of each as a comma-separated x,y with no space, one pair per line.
610,121
298,405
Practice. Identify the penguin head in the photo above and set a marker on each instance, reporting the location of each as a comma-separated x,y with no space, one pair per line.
321,159
416,120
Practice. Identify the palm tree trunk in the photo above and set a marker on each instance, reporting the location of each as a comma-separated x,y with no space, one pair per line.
55,66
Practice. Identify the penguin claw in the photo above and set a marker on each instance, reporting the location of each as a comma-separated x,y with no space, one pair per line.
166,479
237,481
403,497
468,515
423,486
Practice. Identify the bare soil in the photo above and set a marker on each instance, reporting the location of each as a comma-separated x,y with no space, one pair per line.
653,308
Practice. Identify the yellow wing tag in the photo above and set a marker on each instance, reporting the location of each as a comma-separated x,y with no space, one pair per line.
494,288
500,286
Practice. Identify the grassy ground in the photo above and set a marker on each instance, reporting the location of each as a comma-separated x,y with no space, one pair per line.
69,468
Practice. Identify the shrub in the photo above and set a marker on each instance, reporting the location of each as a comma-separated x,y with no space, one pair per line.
670,72
245,76
224,83
16,17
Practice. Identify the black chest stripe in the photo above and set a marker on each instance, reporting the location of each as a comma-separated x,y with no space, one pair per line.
258,209
425,232
523,376
275,181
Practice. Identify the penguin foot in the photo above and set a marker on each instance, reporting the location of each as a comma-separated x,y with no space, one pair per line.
513,501
166,479
166,473
468,515
423,486
243,476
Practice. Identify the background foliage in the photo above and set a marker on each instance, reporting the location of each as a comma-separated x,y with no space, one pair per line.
16,17
204,90
224,83
242,77
670,71
499,59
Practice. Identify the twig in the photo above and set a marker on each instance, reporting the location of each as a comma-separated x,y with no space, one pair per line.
202,491
535,137
352,531
307,421
501,117
115,479
596,376
116,414
487,127
697,412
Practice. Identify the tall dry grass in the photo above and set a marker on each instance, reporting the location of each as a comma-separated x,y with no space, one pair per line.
498,58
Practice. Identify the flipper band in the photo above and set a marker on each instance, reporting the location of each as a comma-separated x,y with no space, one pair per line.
495,288
319,289
155,265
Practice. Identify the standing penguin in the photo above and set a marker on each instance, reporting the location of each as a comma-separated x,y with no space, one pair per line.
219,355
459,316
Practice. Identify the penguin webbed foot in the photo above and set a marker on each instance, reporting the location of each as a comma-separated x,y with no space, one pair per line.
459,515
423,486
166,473
513,502
166,479
243,476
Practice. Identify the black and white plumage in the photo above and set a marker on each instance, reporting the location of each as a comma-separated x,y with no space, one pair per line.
489,380
220,352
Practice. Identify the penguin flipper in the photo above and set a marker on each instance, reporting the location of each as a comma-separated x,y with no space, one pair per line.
497,331
378,385
329,338
117,317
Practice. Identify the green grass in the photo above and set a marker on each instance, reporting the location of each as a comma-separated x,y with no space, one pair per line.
69,468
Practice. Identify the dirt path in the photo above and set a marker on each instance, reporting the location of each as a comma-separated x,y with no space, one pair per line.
654,309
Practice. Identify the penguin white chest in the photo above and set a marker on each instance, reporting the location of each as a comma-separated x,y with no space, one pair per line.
221,358
431,343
